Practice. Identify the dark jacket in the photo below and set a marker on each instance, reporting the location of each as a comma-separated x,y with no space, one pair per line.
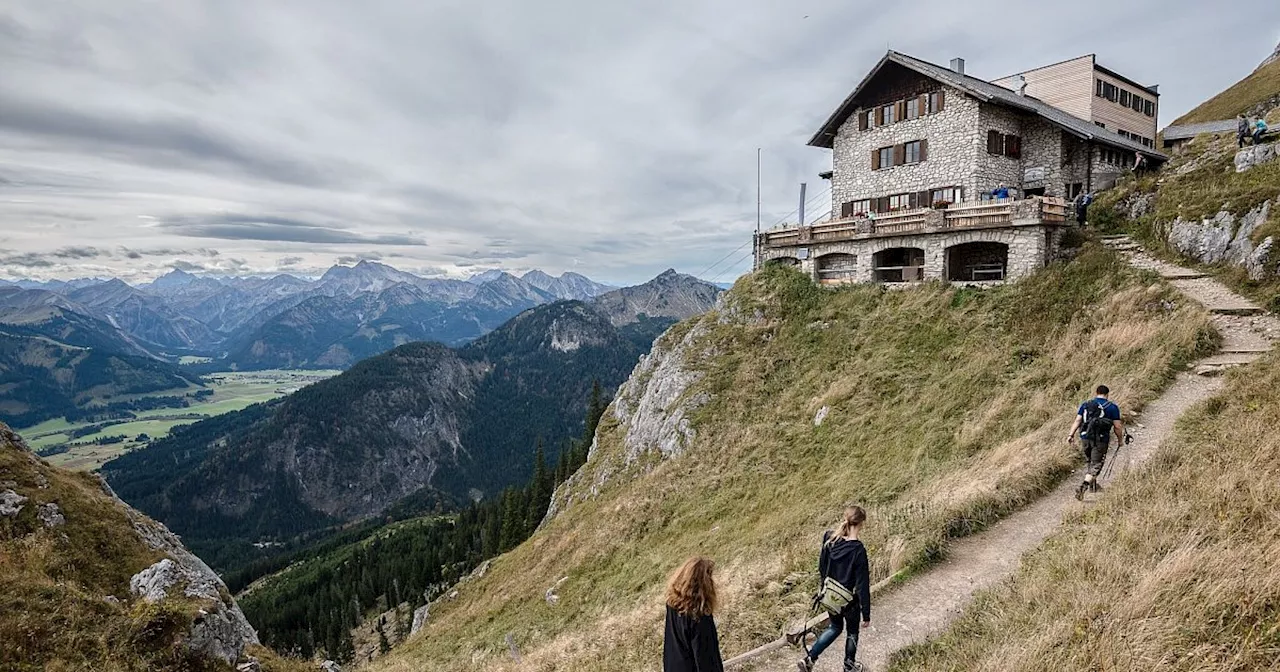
846,561
690,644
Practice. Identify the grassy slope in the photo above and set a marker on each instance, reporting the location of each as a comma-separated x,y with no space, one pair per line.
1243,95
946,410
1200,180
53,615
1173,570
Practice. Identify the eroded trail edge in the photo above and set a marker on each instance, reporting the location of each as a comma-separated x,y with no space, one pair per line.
926,604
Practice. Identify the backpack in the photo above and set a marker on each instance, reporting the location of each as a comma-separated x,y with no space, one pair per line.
1096,425
834,597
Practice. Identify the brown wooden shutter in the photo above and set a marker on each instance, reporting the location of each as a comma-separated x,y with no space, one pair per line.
924,199
882,204
1013,146
923,104
862,121
879,115
900,110
846,209
924,149
942,95
994,145
899,155
875,159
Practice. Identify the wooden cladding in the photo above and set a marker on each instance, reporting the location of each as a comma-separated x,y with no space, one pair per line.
902,110
1001,144
902,154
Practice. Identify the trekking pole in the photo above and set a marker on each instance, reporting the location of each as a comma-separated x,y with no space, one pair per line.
1128,438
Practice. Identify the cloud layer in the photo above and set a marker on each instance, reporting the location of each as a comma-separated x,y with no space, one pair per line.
617,139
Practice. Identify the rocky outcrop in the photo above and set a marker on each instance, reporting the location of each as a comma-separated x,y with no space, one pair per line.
652,410
1226,239
672,295
1251,157
1275,56
11,503
419,618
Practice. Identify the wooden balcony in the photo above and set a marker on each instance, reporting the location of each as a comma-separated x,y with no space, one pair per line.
1034,211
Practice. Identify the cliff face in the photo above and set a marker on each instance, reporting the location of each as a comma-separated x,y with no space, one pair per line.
87,582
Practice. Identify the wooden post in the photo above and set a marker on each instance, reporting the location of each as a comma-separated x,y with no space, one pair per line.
511,644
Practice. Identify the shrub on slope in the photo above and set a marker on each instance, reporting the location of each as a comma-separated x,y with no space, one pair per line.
946,408
1173,570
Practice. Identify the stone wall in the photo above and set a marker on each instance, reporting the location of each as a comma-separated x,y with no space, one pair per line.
994,170
953,139
1030,248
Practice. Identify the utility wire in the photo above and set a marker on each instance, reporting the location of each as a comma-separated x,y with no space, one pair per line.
823,194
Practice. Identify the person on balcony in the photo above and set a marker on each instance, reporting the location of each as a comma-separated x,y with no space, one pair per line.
1000,193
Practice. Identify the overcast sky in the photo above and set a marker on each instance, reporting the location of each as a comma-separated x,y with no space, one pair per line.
613,138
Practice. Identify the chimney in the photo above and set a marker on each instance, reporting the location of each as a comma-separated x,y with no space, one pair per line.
957,64
1020,85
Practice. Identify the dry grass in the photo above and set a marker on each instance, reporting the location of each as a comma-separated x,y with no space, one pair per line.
945,409
1243,95
1175,569
54,614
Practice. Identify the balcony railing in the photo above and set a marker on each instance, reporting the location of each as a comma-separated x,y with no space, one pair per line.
981,214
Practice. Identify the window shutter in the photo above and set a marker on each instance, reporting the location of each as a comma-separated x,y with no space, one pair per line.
875,159
862,121
1013,146
993,142
924,149
846,209
879,115
900,110
942,96
899,155
882,204
923,104
923,199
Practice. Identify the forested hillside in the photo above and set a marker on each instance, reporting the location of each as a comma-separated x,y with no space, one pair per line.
746,430
423,425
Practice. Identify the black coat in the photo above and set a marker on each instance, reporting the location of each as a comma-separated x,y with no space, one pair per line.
846,561
690,644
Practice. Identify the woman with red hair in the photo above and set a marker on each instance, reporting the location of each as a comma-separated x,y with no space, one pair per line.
690,643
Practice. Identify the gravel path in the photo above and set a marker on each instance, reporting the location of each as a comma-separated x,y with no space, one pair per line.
926,604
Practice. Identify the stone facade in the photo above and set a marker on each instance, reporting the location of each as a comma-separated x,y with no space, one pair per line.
957,155
1029,248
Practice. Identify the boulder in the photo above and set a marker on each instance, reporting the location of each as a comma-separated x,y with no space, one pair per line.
1249,157
51,515
330,666
1257,264
10,503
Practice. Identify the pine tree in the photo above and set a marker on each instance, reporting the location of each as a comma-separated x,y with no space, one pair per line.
539,489
383,645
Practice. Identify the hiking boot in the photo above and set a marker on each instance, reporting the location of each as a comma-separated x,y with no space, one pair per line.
805,665
1095,487
1080,490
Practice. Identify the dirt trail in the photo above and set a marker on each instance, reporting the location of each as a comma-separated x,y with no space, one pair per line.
927,603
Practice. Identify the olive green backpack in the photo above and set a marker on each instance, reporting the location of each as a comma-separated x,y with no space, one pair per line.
834,597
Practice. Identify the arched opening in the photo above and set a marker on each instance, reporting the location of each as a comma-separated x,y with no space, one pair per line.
970,262
898,264
837,268
782,261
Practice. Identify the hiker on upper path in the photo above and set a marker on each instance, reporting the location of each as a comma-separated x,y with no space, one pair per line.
1242,129
1083,199
1096,420
690,643
845,580
1259,130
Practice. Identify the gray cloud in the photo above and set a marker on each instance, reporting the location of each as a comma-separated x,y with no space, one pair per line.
283,229
80,252
616,139
286,262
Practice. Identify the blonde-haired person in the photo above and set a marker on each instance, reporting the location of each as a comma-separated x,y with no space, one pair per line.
690,643
844,559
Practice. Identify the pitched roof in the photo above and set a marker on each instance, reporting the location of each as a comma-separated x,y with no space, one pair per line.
987,93
1192,130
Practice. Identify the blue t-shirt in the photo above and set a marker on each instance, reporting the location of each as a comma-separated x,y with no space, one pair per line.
1109,410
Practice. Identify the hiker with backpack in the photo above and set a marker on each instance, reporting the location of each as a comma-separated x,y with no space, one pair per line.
1096,420
845,588
690,643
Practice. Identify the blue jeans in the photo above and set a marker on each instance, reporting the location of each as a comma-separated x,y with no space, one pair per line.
829,636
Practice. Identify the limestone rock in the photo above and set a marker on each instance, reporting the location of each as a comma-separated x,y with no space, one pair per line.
1256,265
251,665
10,503
1250,157
419,618
1275,56
553,597
51,515
821,415
330,666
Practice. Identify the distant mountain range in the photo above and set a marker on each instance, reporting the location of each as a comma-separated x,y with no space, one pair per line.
423,422
349,313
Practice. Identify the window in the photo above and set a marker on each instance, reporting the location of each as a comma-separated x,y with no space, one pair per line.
1149,108
913,108
1100,124
912,152
946,195
882,158
900,201
1098,89
1000,144
935,102
1110,91
1124,98
886,114
1136,103
855,208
